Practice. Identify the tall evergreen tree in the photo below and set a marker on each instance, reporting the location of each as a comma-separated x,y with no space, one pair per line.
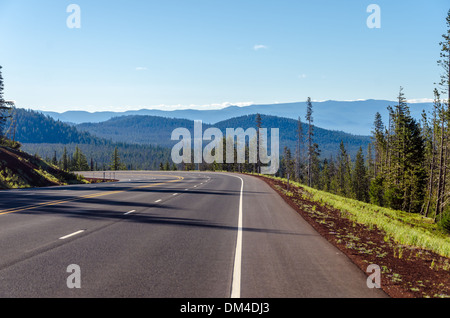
2,106
325,176
429,130
404,176
316,167
54,159
379,142
79,161
65,160
5,108
287,163
310,135
333,185
343,172
360,184
444,62
298,153
116,163
258,142
167,166
444,118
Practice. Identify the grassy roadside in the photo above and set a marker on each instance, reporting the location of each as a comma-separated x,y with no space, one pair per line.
407,229
412,251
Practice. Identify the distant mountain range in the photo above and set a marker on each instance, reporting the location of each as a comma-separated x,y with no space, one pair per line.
155,132
355,117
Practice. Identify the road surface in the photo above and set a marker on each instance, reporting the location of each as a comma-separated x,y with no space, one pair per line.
167,235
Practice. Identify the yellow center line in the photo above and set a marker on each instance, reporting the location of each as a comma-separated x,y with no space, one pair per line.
88,196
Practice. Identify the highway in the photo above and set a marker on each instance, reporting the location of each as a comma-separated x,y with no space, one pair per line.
167,235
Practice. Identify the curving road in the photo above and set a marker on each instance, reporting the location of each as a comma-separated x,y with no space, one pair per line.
167,235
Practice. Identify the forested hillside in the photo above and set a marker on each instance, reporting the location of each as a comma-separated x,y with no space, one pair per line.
158,130
34,127
137,129
46,137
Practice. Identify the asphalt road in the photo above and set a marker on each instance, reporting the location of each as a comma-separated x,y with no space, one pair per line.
167,235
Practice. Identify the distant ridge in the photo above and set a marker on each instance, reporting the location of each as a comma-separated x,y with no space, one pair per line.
157,131
355,117
138,136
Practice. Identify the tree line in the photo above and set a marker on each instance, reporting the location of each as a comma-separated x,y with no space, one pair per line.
78,161
405,166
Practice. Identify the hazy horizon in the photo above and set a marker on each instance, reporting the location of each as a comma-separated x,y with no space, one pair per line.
169,108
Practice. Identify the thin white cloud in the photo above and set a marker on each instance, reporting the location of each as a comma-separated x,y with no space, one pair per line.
420,100
302,76
141,68
202,107
258,47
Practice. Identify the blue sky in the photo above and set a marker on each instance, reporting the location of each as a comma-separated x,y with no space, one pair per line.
171,54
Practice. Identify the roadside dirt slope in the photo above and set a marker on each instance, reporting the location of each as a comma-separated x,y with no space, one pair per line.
19,169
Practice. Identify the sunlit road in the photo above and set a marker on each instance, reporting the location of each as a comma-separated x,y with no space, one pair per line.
171,235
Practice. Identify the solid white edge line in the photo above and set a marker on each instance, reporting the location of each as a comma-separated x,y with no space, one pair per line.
70,235
236,284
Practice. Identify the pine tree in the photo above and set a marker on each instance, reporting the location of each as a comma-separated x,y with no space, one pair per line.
65,160
5,109
429,134
333,176
404,175
116,163
54,159
370,163
379,142
377,191
343,172
298,151
310,135
360,184
325,176
316,167
444,62
287,164
444,117
258,142
2,105
79,161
